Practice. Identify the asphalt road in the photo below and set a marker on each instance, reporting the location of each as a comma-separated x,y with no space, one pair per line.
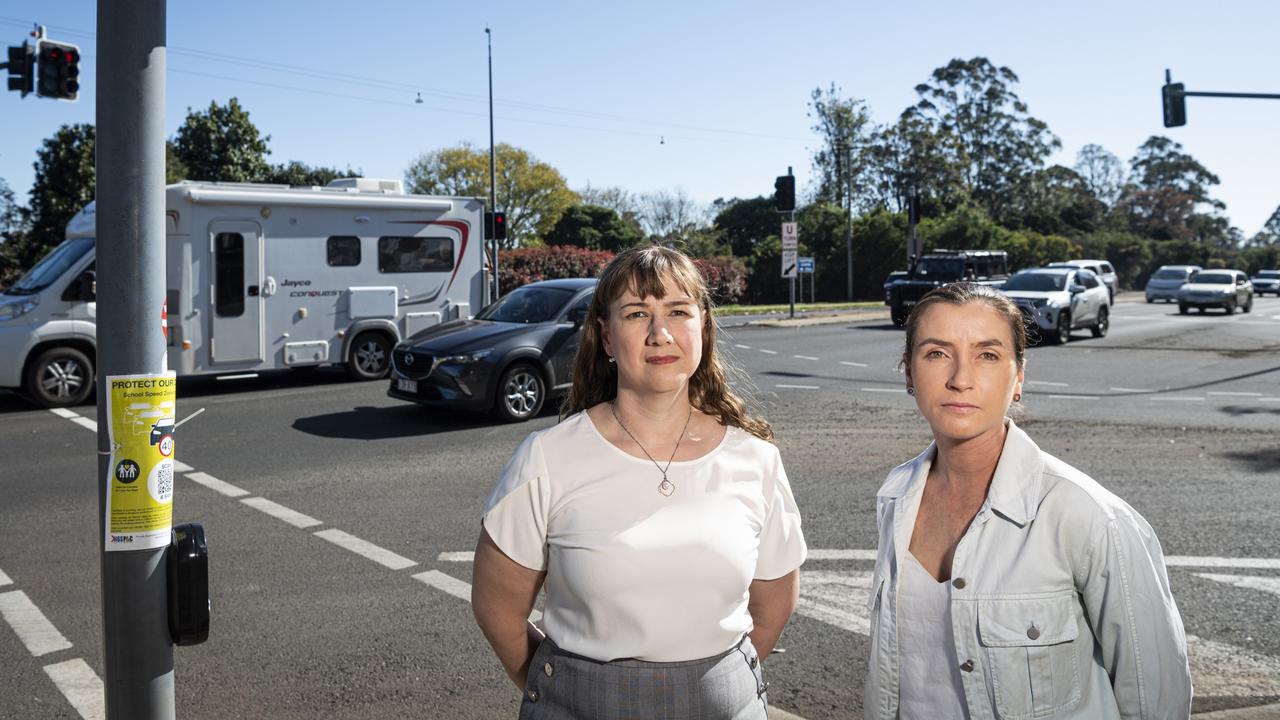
1178,415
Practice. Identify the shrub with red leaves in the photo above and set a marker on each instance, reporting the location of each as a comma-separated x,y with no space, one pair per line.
552,262
726,278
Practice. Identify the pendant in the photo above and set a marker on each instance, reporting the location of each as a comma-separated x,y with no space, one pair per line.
666,487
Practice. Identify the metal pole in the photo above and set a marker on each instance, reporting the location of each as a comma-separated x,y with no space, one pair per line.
848,244
791,217
493,174
137,648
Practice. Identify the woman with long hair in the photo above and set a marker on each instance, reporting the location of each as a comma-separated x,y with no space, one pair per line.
656,514
1009,584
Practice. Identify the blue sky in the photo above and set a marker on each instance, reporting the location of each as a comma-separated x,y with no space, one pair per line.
592,88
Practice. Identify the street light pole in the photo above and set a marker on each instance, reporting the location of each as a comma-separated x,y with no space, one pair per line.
493,174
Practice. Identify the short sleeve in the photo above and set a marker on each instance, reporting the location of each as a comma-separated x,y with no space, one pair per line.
782,547
516,514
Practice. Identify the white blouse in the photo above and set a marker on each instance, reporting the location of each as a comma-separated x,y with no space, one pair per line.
632,573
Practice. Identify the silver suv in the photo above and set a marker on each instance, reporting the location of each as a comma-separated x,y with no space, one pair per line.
1226,289
1060,299
1267,281
1106,274
1165,282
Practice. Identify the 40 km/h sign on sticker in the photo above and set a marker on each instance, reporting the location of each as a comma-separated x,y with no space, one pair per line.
140,412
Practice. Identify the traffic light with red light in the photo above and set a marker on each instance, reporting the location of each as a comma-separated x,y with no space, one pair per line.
784,193
58,67
22,66
495,225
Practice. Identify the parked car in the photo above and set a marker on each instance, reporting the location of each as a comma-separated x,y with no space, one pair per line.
511,358
1059,299
1102,269
1165,282
1267,281
938,267
1226,289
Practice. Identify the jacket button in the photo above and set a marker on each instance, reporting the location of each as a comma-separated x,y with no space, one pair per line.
1033,632
958,583
532,695
548,669
967,666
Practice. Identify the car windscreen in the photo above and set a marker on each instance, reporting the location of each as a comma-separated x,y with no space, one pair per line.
1170,275
1037,282
1270,274
527,305
1210,278
942,267
48,270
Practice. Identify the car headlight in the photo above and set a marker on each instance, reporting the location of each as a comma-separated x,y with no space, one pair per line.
19,308
466,358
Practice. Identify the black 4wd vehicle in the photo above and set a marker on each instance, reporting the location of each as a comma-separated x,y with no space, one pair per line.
936,268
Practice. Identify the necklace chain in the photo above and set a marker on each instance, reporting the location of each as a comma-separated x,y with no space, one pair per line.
665,487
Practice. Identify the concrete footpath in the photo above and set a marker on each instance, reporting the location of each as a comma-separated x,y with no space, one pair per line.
1259,712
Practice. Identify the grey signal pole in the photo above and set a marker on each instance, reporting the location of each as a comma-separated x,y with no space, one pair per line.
137,647
493,175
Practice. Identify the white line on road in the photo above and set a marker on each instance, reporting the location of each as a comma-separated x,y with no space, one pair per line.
280,512
1236,394
743,347
85,422
456,587
804,357
33,628
842,555
216,485
1130,390
768,352
467,556
366,549
1221,562
1046,382
181,467
852,364
799,387
63,413
4,579
900,391
81,686
1073,397
1249,582
1177,398
241,376
1274,399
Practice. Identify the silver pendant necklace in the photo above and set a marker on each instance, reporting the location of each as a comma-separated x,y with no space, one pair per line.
666,487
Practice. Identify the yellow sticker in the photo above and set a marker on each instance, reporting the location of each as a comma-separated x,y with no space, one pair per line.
141,410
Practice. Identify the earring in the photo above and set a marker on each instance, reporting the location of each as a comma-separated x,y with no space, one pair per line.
911,391
1017,397
612,360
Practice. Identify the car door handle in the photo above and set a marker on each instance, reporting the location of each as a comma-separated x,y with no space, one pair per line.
253,291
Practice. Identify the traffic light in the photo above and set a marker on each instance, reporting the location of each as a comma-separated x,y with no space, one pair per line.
59,70
495,225
784,193
1175,104
22,65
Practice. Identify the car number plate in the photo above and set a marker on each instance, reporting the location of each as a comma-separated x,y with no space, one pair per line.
409,386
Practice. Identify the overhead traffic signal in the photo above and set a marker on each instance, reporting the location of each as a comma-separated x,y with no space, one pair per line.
1175,104
784,193
495,225
59,70
22,63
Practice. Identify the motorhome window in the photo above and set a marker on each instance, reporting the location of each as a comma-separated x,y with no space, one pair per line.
228,262
344,250
414,254
52,267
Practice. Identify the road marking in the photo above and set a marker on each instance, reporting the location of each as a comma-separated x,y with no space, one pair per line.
1249,582
468,556
4,579
1046,382
1130,390
852,364
1222,669
241,376
836,599
805,357
1073,397
63,413
883,390
1269,399
744,347
457,588
777,714
1177,398
181,467
366,549
768,352
1236,394
81,686
32,627
86,423
280,512
1220,562
842,555
799,387
216,485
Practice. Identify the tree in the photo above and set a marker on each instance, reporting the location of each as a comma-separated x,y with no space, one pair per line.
746,223
64,183
671,216
532,193
1102,173
1270,232
844,126
1160,163
595,228
1166,188
299,174
13,236
994,139
1054,200
912,156
620,200
221,143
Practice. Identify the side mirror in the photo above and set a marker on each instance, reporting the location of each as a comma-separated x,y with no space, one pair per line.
1077,289
188,559
83,289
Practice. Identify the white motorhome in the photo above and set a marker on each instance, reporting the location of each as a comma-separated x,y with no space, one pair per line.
260,277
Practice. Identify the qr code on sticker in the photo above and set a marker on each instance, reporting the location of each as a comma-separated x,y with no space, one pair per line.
163,488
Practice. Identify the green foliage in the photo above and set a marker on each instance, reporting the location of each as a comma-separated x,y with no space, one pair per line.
1130,255
844,124
221,143
552,262
595,228
299,174
65,181
532,193
745,223
13,236
726,278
